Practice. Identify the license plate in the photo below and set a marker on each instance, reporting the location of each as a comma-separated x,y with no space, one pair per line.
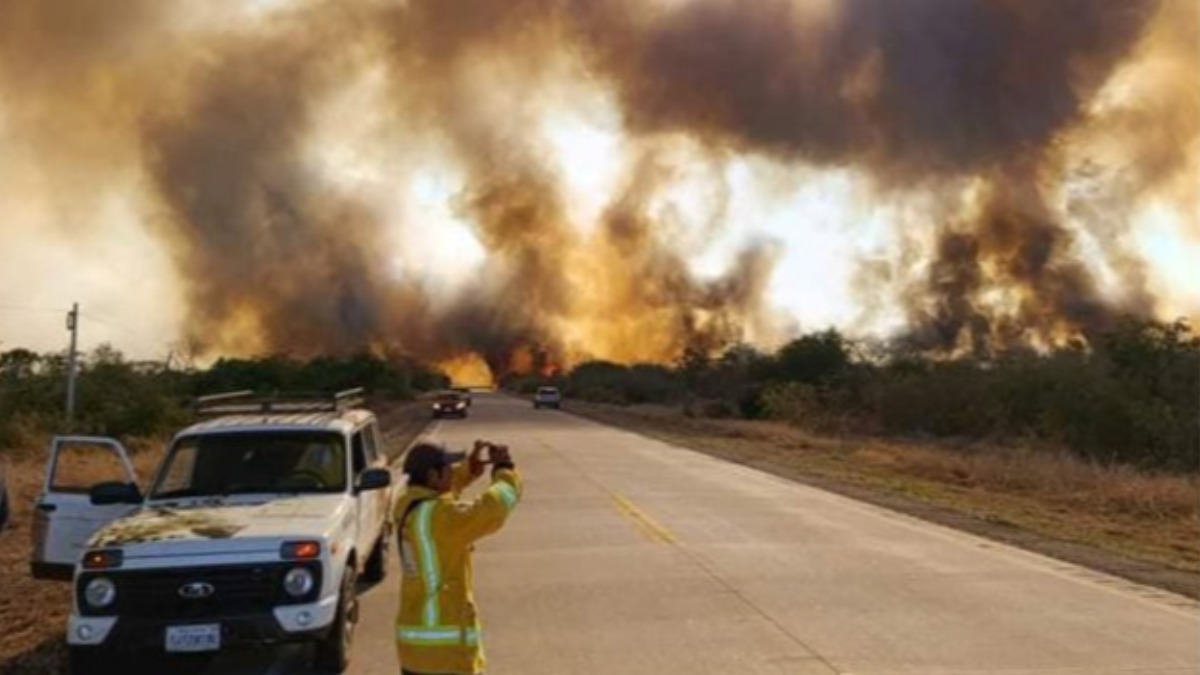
204,638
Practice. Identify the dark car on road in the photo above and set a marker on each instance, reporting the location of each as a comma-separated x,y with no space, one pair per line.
449,404
547,397
465,393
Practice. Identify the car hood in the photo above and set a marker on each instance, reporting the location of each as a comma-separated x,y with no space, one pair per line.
242,526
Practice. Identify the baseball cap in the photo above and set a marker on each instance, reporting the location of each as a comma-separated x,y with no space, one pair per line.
425,457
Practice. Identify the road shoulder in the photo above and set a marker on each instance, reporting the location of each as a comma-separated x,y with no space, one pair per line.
1016,520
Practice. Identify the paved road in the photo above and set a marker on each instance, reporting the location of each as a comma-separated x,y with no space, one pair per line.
631,556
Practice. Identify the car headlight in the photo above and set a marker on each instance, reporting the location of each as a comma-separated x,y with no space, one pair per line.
100,592
298,582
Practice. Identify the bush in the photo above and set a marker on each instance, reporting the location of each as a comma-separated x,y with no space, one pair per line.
814,358
710,408
1132,398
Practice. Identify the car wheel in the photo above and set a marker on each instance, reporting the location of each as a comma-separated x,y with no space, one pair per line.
333,653
376,569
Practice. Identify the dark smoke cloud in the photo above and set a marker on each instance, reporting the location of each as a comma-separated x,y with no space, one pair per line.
267,247
515,202
1013,246
907,88
919,96
914,93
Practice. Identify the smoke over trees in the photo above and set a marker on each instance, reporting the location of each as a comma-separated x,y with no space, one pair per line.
994,112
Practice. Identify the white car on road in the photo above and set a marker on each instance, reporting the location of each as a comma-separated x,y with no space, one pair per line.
255,531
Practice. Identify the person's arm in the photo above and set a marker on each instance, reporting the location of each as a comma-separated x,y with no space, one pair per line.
487,514
465,473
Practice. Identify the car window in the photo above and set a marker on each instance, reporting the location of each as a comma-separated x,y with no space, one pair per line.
258,462
370,441
81,465
358,447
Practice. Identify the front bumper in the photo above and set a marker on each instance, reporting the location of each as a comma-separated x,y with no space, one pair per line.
291,623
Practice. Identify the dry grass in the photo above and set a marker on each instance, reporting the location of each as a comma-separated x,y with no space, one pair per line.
1119,510
33,613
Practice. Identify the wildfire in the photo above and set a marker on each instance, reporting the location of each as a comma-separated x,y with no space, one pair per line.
516,187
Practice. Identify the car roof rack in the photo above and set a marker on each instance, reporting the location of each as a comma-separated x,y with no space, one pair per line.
248,402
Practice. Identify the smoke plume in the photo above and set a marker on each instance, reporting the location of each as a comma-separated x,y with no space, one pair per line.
1040,132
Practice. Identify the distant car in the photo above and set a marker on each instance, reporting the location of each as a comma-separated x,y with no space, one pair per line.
465,393
449,404
547,397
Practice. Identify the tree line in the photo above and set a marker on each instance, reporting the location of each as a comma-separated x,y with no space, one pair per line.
1132,396
120,397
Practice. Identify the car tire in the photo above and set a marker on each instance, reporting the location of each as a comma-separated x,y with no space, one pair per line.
375,570
333,653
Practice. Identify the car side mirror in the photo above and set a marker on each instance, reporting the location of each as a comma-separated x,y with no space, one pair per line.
373,479
115,492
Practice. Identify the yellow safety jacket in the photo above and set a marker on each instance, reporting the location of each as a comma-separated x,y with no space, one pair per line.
437,630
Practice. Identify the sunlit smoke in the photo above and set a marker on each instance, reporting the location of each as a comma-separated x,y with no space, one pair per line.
521,186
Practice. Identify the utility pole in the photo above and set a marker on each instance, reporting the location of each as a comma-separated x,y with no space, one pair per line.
73,326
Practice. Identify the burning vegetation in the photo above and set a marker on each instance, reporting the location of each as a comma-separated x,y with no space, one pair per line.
1016,149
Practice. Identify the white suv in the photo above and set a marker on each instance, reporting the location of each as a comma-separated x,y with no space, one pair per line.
254,531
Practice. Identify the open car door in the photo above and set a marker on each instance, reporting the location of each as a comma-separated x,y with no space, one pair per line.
64,516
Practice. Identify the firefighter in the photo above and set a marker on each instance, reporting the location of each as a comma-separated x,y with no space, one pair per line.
437,630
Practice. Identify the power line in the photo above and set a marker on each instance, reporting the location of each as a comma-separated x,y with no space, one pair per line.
29,308
140,340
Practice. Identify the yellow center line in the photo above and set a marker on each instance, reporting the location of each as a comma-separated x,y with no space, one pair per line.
643,522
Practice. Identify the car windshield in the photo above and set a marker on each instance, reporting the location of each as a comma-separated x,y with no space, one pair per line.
547,391
449,398
261,462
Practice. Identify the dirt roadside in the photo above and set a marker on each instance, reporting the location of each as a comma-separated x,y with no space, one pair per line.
1151,539
33,613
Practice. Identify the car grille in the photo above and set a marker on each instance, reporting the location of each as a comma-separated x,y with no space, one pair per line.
237,590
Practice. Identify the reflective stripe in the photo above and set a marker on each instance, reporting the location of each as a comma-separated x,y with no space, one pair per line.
429,563
506,493
437,635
